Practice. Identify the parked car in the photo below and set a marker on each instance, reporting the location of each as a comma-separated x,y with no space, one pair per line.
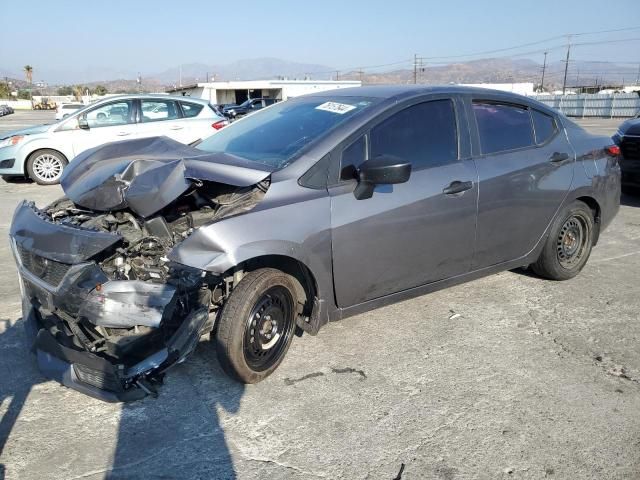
5,110
310,211
250,106
66,109
42,152
628,139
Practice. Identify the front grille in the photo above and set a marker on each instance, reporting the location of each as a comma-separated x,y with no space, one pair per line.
631,149
97,378
49,271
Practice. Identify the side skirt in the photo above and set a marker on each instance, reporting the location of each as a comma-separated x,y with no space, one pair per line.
342,313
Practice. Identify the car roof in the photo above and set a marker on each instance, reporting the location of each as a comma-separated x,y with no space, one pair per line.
151,95
401,91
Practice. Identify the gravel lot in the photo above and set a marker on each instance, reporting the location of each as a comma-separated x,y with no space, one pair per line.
534,379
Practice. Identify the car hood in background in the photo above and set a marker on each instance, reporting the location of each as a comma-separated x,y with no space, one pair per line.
147,174
26,131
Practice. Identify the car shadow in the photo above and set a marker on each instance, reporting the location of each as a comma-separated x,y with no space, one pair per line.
19,375
177,435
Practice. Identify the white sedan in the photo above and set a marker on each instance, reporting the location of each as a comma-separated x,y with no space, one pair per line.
42,152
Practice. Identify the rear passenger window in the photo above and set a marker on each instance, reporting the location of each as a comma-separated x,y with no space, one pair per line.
544,126
158,110
191,109
424,134
502,127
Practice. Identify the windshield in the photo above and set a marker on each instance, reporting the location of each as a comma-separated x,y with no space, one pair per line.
276,135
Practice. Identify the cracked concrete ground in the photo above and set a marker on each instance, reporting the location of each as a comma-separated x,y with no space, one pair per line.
510,376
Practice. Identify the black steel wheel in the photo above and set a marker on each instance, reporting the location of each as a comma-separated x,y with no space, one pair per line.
568,245
268,328
257,325
572,240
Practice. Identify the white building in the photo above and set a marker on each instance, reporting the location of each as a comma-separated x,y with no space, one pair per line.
236,92
526,88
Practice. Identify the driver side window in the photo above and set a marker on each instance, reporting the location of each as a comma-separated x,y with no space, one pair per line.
111,114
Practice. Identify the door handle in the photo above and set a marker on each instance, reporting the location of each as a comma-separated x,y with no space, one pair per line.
457,187
557,157
176,127
123,134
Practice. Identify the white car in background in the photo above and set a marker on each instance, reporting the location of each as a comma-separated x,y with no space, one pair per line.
42,152
66,109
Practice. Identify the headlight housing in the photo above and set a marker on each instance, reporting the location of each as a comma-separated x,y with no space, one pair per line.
10,141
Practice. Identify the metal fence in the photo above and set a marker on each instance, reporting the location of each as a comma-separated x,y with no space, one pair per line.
594,105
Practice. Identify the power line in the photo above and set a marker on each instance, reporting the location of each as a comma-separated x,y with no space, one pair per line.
359,69
486,52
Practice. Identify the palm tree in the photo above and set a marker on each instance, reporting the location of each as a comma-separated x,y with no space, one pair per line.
78,91
28,71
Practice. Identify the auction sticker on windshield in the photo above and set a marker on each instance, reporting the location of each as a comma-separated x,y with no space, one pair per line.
335,107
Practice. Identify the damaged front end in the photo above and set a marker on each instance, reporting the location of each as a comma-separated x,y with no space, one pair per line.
105,309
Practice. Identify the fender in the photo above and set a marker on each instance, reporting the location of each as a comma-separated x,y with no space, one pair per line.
223,245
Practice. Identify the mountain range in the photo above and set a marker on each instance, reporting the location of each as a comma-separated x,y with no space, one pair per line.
491,70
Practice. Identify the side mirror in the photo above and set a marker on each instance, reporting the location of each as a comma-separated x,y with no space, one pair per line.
382,170
83,123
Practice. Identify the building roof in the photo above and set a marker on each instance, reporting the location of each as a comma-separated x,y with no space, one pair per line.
250,84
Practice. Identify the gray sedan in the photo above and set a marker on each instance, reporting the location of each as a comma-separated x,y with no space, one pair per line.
307,212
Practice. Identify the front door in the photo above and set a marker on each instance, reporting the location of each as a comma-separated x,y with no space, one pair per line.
525,168
107,123
408,234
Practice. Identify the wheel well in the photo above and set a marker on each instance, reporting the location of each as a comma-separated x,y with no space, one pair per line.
26,173
306,285
593,204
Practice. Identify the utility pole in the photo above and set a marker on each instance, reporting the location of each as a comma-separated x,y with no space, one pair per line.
337,75
566,64
418,66
544,67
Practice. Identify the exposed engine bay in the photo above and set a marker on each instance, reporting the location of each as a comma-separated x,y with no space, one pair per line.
141,254
105,308
131,305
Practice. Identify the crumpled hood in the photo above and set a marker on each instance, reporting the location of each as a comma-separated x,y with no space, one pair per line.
630,127
147,174
26,131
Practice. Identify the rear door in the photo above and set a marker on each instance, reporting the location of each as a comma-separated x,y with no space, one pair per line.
162,117
201,121
525,169
409,234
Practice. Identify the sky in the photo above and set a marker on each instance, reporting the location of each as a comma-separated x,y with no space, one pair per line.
58,36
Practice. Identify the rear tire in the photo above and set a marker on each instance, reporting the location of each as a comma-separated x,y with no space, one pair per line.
45,166
568,245
257,325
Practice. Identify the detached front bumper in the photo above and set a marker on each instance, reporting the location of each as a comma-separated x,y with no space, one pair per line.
62,285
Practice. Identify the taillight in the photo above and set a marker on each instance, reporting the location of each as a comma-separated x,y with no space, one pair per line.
220,124
613,150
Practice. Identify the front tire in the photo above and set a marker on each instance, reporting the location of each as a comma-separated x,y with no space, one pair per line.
45,166
569,244
257,325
